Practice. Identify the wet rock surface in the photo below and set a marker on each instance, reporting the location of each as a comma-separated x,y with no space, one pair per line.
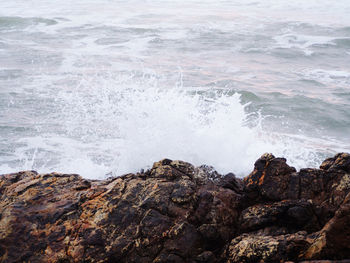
176,212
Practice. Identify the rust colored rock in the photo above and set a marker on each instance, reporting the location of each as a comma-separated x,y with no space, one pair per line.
176,212
333,241
272,179
340,161
162,215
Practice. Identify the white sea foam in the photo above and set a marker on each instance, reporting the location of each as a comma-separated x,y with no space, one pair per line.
123,124
99,91
324,76
203,128
302,42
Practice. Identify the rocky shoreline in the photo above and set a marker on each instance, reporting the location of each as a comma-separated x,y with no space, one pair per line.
176,212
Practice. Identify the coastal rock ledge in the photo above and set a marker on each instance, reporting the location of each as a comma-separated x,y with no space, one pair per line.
176,212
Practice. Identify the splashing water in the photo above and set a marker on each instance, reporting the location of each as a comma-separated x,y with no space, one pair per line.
86,91
114,125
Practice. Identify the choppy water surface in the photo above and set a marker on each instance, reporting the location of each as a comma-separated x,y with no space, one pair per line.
101,87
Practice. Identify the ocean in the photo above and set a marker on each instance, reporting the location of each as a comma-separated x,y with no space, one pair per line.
106,87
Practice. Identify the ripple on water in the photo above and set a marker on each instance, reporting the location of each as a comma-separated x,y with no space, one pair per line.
103,86
18,23
6,74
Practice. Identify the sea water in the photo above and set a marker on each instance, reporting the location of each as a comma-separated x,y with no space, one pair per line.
107,87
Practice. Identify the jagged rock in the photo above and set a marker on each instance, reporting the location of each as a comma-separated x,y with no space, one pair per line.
333,241
259,248
159,216
176,212
272,179
340,161
290,216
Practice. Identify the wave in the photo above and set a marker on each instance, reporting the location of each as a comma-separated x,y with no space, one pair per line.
119,125
8,23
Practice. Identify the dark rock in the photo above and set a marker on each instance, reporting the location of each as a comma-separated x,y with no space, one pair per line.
231,182
256,248
272,179
153,217
176,212
333,241
290,215
341,161
206,257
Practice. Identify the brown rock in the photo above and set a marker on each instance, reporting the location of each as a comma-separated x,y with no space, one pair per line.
272,179
333,241
157,216
176,212
258,248
290,216
340,161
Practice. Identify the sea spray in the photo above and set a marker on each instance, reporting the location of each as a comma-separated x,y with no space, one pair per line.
118,124
86,91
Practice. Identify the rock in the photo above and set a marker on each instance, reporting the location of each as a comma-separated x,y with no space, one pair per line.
325,261
272,179
157,216
340,161
333,241
176,212
290,215
256,248
206,257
